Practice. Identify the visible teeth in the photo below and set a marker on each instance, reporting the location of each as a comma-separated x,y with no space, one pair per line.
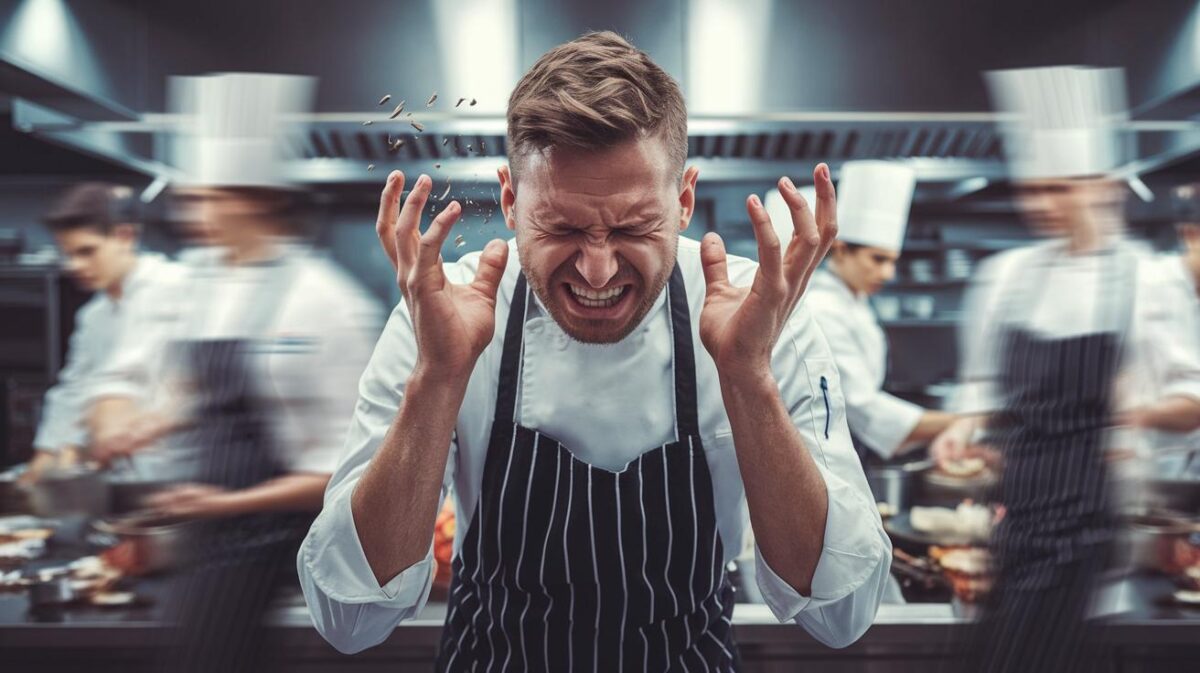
597,298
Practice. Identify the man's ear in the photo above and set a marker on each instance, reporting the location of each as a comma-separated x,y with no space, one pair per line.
508,197
687,196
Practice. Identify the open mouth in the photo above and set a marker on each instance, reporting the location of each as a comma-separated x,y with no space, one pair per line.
590,298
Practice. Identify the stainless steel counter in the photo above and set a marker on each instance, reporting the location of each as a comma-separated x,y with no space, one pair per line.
1146,636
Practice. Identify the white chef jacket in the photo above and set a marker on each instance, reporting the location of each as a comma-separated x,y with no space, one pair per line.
1183,313
608,404
307,356
1060,295
878,419
97,324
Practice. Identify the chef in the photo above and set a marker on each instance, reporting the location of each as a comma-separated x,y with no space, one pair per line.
873,203
263,355
600,395
96,228
1176,454
1054,332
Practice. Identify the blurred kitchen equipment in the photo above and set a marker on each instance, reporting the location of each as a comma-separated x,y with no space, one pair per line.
887,307
80,490
130,495
918,574
52,592
1181,494
893,484
919,306
1162,541
12,241
957,264
937,487
146,542
921,270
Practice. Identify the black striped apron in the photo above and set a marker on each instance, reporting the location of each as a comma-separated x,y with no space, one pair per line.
570,567
1053,541
236,563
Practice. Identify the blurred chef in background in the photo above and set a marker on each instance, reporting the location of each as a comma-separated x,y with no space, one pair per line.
264,358
1174,452
96,227
873,203
1052,331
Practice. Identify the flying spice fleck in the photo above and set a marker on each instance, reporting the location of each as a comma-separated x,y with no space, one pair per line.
437,165
432,99
469,148
445,193
417,126
397,111
460,102
386,98
397,144
370,167
368,122
445,140
473,101
459,241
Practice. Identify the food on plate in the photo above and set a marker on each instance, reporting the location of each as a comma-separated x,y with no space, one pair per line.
968,520
1189,597
443,543
18,552
963,468
33,534
113,598
968,569
1190,578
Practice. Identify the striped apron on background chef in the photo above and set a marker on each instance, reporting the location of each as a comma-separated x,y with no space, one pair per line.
571,567
237,563
1053,542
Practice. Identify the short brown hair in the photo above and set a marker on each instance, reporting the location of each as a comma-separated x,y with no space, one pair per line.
593,92
93,205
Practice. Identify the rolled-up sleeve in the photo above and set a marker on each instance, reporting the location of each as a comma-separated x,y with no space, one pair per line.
348,606
852,571
65,403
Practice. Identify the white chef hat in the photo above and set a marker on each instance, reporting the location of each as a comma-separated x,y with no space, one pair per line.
873,201
235,126
1062,121
781,214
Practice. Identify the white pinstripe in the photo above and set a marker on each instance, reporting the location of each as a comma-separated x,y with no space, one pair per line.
545,546
645,578
596,575
499,545
624,587
567,565
521,557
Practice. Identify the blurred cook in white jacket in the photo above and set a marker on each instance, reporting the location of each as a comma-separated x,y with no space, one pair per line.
97,230
260,359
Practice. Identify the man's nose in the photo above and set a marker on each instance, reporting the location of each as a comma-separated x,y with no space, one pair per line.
597,263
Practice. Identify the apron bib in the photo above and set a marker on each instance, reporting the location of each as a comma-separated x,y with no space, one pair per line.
569,567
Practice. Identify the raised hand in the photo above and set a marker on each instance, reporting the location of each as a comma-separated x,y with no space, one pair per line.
453,323
740,325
